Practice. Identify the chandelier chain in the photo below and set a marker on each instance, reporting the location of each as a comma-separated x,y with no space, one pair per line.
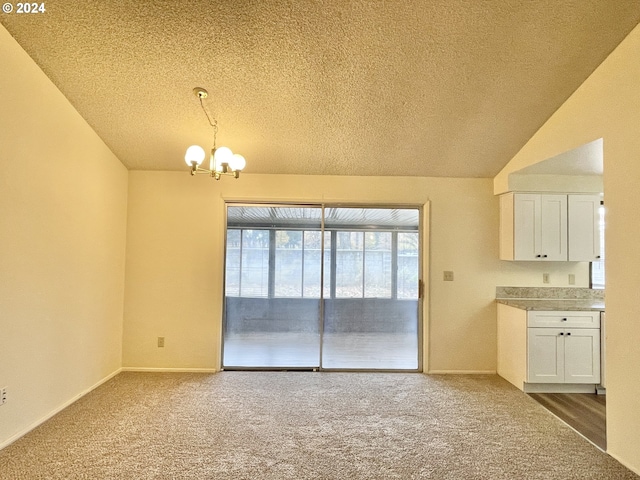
213,122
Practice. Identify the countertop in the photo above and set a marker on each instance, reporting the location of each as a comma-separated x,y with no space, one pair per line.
553,304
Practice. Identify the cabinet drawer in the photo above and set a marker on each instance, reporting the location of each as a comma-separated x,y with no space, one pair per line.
565,319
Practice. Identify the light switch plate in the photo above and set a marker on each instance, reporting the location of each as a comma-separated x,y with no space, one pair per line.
448,276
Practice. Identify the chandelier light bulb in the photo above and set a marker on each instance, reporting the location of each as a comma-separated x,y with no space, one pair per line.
194,153
221,156
237,162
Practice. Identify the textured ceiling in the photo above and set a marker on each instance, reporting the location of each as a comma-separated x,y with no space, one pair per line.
362,87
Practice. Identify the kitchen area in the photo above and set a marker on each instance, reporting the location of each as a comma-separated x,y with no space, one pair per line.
551,345
551,340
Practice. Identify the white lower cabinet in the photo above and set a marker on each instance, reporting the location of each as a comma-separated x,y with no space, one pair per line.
563,355
552,351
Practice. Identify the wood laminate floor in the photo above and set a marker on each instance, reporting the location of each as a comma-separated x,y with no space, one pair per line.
585,412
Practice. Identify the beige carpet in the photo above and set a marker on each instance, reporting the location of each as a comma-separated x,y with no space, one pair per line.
304,425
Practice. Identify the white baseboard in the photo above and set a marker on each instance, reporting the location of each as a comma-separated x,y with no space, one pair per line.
461,372
559,388
57,410
169,370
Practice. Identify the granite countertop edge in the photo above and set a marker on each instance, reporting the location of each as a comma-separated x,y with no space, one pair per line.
554,304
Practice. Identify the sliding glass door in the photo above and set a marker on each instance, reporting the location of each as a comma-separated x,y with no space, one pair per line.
371,316
273,287
321,287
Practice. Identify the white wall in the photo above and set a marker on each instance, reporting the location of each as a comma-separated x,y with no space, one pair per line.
62,238
607,106
175,250
555,183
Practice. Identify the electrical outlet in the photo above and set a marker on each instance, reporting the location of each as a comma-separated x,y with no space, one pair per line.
3,395
572,279
545,278
448,276
160,342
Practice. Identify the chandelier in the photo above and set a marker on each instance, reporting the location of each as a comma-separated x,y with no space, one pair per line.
222,161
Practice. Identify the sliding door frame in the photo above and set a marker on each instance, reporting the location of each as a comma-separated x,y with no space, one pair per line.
422,231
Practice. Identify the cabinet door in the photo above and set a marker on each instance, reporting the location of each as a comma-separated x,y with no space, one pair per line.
540,227
584,228
545,355
526,227
553,228
582,355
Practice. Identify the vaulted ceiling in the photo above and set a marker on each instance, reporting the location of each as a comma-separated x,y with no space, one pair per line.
360,87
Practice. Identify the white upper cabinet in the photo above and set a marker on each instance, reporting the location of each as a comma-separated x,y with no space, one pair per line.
584,228
549,227
533,227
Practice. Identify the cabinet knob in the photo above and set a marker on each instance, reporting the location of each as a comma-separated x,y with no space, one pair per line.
538,256
568,333
544,256
597,256
561,333
564,319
